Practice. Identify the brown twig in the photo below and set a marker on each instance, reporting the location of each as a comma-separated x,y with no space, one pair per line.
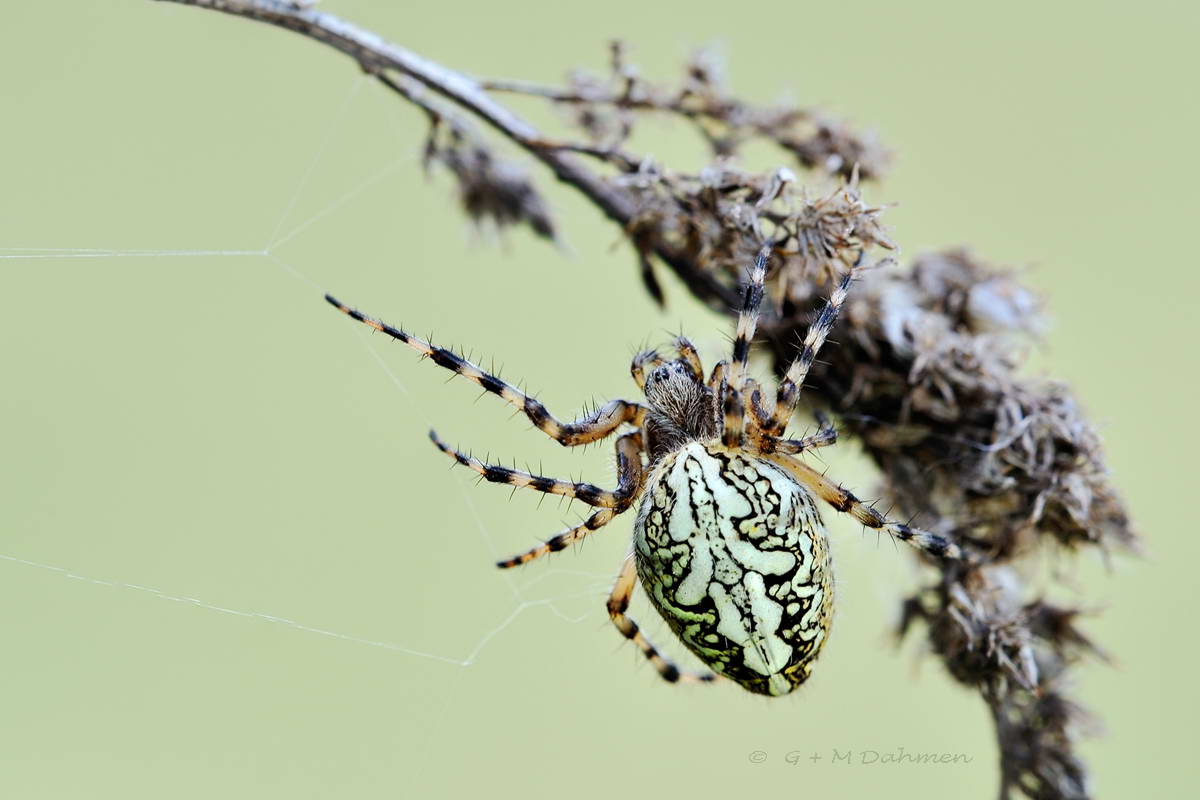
376,55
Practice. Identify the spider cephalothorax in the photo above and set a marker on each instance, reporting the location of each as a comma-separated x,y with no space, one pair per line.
681,408
728,541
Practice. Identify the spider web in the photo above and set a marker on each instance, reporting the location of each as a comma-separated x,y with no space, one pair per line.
284,231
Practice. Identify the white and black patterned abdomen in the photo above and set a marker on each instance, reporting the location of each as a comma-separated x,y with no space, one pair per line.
734,556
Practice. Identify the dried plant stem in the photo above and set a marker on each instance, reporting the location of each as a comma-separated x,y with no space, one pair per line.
376,56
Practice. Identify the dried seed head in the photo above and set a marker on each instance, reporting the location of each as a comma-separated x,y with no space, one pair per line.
489,189
822,142
829,236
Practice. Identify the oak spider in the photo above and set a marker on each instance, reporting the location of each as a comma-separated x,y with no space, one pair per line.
728,541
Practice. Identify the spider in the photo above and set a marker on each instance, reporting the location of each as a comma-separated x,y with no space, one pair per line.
728,541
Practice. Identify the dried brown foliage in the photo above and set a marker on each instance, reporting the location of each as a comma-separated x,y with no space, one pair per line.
490,188
927,374
605,108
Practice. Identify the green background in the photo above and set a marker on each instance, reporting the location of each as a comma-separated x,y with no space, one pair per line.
186,436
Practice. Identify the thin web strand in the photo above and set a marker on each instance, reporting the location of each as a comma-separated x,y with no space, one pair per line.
300,626
519,592
335,123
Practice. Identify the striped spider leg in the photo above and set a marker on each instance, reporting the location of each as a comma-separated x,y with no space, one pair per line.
604,422
728,541
782,451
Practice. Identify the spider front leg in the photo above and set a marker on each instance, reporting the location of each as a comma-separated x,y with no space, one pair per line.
843,500
618,604
788,393
752,298
732,378
629,485
602,423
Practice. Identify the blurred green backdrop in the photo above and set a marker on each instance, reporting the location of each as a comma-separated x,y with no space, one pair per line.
190,435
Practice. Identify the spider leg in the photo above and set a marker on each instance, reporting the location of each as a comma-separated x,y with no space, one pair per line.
826,435
586,492
618,604
629,485
688,355
933,544
761,416
733,422
789,387
733,406
719,371
561,541
733,410
594,427
752,298
643,362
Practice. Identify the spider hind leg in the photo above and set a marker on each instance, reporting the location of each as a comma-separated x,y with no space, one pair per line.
618,605
933,544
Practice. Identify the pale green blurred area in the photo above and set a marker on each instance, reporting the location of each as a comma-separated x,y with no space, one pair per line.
206,427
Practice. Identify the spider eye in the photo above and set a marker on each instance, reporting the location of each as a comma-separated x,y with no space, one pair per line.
664,373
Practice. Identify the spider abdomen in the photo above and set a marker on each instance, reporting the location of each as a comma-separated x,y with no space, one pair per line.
733,554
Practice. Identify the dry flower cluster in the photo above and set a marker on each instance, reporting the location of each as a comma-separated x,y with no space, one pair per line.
926,375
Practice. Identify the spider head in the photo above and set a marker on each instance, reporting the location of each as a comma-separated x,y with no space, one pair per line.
668,380
682,409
